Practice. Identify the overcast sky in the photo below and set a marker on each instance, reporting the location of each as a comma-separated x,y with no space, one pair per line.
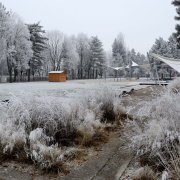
141,21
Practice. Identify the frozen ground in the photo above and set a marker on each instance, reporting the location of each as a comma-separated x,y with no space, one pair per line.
66,90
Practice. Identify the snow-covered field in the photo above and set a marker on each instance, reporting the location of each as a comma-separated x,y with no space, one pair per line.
52,116
66,90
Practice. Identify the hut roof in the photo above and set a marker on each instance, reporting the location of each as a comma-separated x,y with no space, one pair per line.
56,72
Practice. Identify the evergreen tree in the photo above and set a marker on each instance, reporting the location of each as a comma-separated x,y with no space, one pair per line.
160,47
119,51
38,46
97,56
172,48
176,3
133,56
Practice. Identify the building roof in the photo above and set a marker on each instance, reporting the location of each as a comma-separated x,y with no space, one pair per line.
132,65
56,72
118,68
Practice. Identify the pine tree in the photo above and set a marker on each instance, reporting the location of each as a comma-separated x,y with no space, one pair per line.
38,45
176,3
119,51
97,56
172,48
160,47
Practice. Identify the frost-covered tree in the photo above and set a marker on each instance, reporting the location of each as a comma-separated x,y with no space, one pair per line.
38,46
172,48
97,56
70,57
4,26
138,58
119,51
160,47
176,3
133,56
136,72
22,46
3,19
83,52
15,43
54,49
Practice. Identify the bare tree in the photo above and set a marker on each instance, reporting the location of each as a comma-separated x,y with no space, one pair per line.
82,49
54,48
70,57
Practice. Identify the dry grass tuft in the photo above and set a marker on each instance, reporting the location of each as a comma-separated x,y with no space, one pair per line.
18,154
89,139
153,162
56,168
144,173
175,86
108,113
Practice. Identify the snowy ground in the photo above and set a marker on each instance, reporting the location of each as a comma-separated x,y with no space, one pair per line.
66,90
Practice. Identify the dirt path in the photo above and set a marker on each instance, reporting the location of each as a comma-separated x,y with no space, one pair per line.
110,163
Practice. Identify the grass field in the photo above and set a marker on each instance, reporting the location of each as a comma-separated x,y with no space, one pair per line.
66,90
47,122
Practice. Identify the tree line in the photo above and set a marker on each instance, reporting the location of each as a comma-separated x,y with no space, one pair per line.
27,51
167,48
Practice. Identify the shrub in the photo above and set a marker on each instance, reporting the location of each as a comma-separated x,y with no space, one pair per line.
156,136
144,173
41,127
175,85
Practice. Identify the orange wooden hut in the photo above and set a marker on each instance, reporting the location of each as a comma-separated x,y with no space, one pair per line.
57,76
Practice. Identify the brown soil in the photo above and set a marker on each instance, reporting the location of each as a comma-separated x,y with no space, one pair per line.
145,94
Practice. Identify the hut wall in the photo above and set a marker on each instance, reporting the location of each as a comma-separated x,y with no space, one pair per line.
57,77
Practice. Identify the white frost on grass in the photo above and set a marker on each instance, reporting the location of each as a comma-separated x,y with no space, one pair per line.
66,90
157,132
175,85
36,119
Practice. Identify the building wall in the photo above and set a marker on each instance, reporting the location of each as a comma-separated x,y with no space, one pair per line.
57,77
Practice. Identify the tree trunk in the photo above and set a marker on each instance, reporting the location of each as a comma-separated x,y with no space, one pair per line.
15,74
96,73
33,75
10,75
81,64
93,71
170,74
9,69
88,73
29,72
21,73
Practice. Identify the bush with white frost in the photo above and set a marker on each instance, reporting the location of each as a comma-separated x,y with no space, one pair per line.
175,85
43,125
156,135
